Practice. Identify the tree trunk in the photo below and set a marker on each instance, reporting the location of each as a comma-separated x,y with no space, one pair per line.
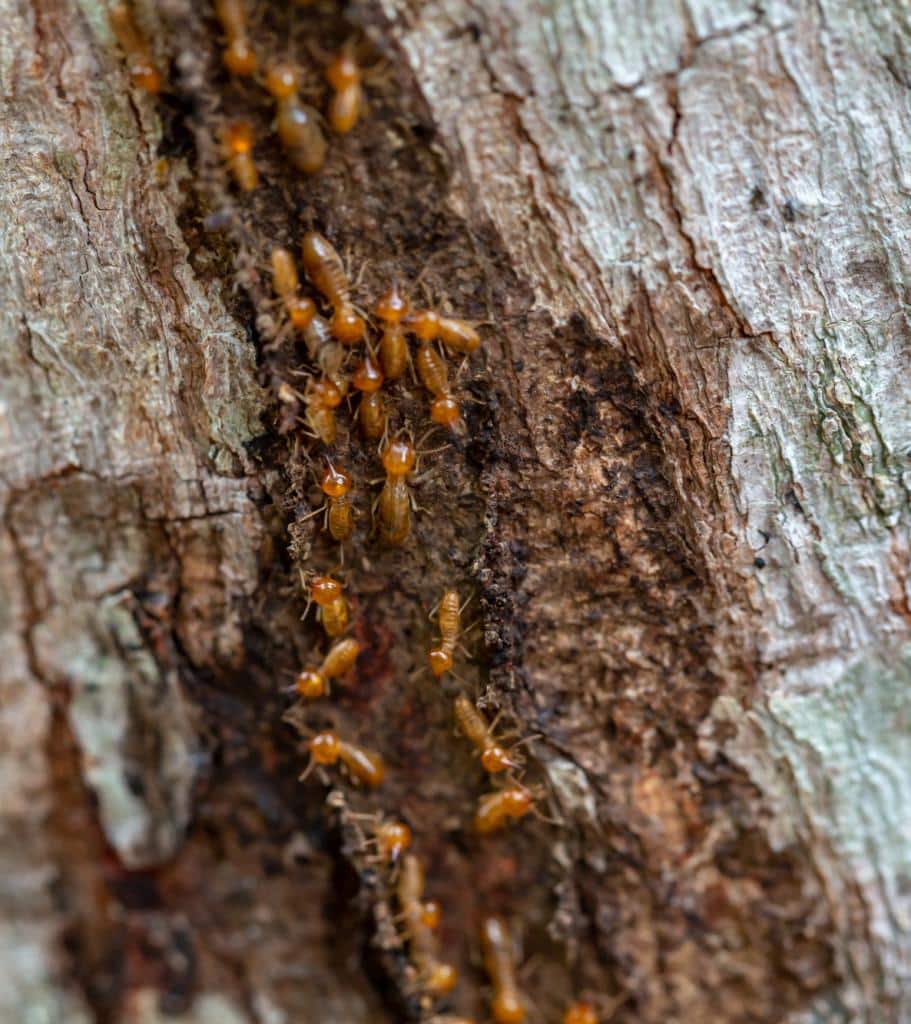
679,508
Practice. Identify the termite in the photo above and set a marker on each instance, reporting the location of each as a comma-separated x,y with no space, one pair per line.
238,143
314,682
392,839
368,379
457,335
390,310
327,748
326,351
143,72
445,411
437,977
449,621
300,134
238,56
286,285
432,371
323,398
324,268
327,594
499,962
474,727
347,103
495,809
431,914
395,497
580,1013
336,484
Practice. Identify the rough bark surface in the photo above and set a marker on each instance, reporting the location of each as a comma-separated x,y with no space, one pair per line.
681,507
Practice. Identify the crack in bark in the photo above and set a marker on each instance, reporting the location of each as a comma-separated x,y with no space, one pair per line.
707,271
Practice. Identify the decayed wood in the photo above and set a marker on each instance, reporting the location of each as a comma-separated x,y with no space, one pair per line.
681,508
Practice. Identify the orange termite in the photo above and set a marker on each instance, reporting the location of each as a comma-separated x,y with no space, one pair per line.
324,268
298,129
368,379
449,621
238,56
495,809
327,748
390,309
392,839
347,103
327,594
580,1013
457,335
395,497
432,371
336,484
499,962
238,143
446,412
437,977
286,285
314,682
474,727
431,915
326,351
143,72
323,398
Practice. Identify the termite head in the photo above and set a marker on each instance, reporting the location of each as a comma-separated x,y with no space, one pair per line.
445,411
145,76
392,306
517,802
393,838
368,377
399,458
301,311
342,71
282,81
347,326
424,324
440,661
324,590
325,393
238,137
506,1008
496,759
441,979
336,483
325,748
431,914
311,684
580,1013
239,58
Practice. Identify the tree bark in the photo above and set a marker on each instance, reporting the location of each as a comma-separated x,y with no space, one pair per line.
680,508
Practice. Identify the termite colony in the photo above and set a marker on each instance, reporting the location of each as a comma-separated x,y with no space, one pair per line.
369,388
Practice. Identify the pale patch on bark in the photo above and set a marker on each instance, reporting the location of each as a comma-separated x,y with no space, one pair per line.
126,398
208,1008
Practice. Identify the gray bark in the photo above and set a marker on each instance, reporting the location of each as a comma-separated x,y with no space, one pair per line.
684,513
